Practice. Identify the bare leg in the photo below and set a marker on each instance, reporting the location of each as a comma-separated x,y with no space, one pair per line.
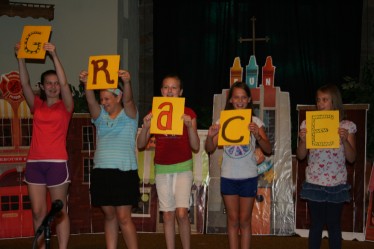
110,227
38,199
232,210
62,220
245,219
127,226
169,229
184,227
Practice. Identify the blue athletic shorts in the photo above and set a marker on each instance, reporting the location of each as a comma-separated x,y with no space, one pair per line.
242,187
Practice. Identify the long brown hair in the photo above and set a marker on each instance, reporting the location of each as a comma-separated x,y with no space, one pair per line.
242,85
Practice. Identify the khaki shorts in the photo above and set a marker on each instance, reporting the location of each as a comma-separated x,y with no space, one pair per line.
174,190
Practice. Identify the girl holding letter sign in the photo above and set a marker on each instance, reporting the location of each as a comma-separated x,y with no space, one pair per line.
173,166
325,187
46,166
114,179
239,169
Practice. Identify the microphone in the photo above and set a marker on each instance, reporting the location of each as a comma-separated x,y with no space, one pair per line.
56,208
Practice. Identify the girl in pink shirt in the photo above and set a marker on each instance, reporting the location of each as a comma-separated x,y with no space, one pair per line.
325,187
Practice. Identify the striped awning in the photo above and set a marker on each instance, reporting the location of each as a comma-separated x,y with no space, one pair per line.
6,111
24,110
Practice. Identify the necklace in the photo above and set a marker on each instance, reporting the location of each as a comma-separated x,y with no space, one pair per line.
112,122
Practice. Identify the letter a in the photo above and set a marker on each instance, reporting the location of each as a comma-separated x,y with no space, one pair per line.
168,114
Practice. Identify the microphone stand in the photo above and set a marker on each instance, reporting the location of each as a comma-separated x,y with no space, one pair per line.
46,225
47,236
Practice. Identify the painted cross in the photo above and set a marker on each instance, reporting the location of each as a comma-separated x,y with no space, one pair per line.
253,39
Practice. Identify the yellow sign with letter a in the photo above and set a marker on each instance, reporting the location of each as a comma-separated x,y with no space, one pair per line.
167,115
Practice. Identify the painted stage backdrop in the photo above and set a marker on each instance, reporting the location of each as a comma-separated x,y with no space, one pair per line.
274,212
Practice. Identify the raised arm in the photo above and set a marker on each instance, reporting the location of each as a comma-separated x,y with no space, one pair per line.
144,134
93,105
127,97
66,95
25,79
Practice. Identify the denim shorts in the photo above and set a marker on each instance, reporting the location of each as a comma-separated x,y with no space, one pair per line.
242,187
174,190
318,193
50,174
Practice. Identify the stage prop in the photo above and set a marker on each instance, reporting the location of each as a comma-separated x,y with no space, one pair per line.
15,116
370,213
353,217
273,212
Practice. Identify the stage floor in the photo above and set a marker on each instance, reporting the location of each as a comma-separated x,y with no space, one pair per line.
206,241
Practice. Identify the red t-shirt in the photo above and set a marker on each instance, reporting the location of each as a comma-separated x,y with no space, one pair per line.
172,149
50,127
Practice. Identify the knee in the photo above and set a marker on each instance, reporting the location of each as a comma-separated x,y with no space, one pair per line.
182,214
124,220
108,216
121,214
245,223
333,227
39,214
233,222
168,216
233,218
